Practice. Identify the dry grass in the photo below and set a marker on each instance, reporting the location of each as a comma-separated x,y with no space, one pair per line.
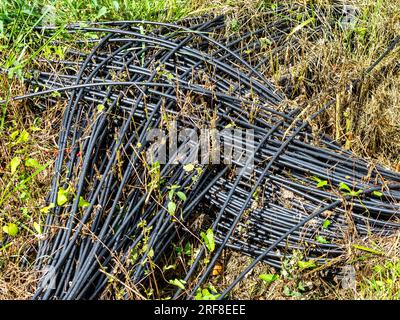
23,193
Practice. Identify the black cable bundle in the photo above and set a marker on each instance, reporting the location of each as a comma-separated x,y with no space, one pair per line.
115,204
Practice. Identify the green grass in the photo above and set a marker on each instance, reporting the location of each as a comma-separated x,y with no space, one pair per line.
18,18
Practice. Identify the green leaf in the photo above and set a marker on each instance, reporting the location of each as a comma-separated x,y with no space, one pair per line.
14,135
62,196
100,107
345,187
14,164
179,283
377,193
359,247
172,266
47,208
208,238
326,224
188,167
37,228
171,208
315,178
23,137
11,229
33,163
205,294
199,295
83,203
322,240
171,194
355,193
188,249
181,195
306,264
322,184
268,277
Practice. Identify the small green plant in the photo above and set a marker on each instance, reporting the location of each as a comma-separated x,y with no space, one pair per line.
207,294
321,240
310,264
178,283
320,183
11,229
172,195
63,196
268,277
377,193
326,224
208,238
347,190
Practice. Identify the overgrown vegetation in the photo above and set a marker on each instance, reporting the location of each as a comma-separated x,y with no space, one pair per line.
368,125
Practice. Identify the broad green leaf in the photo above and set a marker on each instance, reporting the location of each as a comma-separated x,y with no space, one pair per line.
14,164
315,178
13,135
322,184
23,137
181,195
33,163
37,228
62,196
326,224
47,208
345,187
322,240
83,203
205,294
208,238
11,229
268,277
171,208
377,193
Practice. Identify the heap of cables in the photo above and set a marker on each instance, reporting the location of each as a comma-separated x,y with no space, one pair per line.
114,211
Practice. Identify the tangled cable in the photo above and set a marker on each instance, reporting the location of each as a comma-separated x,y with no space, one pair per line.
112,209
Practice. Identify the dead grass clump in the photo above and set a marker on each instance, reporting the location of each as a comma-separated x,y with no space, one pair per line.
16,284
27,134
